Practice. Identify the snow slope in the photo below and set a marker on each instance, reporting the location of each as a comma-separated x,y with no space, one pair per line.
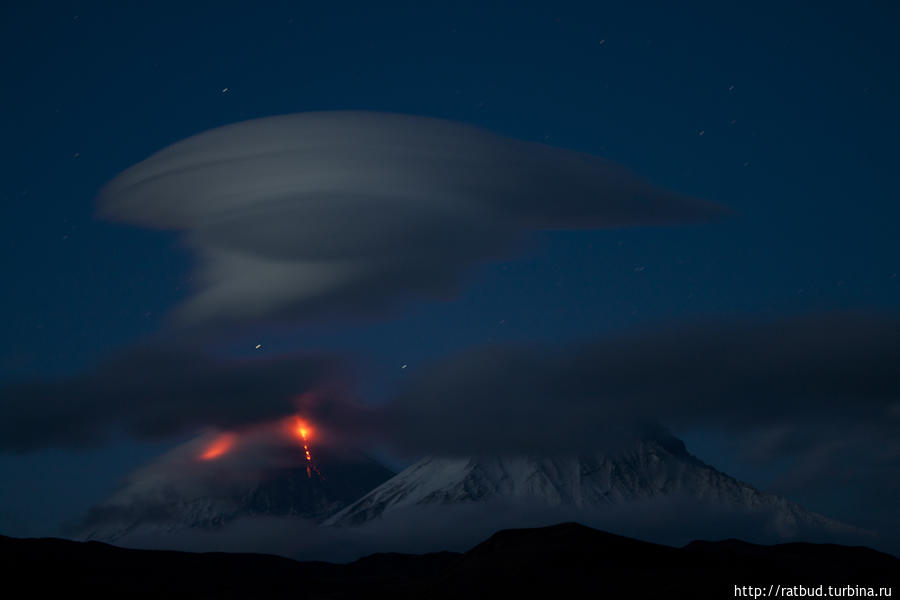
648,469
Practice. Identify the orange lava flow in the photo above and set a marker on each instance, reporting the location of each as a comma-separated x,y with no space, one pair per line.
218,447
304,432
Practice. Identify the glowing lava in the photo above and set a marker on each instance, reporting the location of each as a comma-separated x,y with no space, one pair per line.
304,432
218,447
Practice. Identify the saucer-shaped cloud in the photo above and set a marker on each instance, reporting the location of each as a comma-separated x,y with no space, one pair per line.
349,210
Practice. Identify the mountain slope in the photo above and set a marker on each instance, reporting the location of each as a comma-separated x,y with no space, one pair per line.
161,498
648,469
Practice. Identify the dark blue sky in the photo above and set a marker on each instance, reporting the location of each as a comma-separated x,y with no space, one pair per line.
785,112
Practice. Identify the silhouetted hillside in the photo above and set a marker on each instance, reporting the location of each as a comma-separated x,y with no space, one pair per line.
520,563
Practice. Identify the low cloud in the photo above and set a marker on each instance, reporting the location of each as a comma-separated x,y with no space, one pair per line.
160,392
347,211
782,386
800,376
813,399
667,520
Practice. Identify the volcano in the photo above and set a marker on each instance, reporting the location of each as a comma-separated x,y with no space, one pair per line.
648,469
653,476
175,494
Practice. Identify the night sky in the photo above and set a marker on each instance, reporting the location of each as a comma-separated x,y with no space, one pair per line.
784,113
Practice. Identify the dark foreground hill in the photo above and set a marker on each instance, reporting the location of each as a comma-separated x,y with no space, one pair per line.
551,562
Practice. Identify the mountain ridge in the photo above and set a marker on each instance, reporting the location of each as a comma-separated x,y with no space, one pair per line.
649,469
566,557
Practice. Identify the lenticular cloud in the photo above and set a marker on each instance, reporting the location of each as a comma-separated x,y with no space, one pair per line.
293,214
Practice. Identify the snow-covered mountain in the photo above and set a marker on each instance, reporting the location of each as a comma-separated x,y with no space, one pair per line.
646,470
172,495
179,493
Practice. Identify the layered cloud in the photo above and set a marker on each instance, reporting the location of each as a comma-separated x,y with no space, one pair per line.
669,520
781,384
793,378
297,214
159,392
